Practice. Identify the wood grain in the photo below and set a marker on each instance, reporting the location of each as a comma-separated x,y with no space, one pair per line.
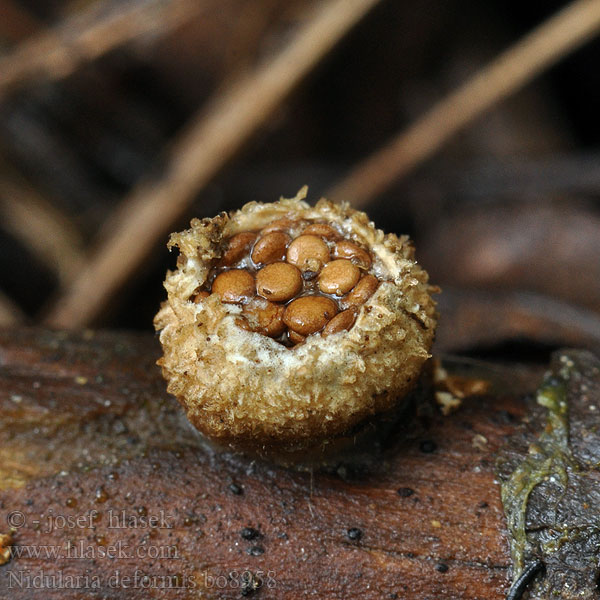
87,426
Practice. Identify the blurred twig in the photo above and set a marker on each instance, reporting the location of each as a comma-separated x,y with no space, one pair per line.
544,46
576,173
87,35
209,141
476,318
17,22
10,314
49,234
39,225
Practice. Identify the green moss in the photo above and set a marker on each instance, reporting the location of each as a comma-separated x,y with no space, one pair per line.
548,457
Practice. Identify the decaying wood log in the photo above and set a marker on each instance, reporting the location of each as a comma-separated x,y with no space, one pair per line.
476,318
107,492
550,482
549,249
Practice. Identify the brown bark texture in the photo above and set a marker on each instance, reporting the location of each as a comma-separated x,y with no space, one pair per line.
107,492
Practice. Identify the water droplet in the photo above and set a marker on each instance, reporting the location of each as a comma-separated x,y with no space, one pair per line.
101,496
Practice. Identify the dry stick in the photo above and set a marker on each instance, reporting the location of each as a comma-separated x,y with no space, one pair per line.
16,22
87,35
544,46
46,231
198,153
54,54
10,313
